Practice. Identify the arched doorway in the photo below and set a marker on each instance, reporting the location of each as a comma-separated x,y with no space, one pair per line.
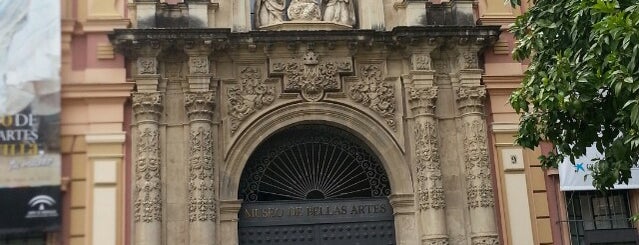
314,184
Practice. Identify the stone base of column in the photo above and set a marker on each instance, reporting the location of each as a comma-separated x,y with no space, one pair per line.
435,240
485,239
202,233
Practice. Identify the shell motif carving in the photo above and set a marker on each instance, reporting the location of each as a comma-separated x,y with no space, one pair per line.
372,91
248,96
148,202
202,202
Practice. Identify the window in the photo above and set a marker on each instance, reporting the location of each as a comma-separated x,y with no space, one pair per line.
595,216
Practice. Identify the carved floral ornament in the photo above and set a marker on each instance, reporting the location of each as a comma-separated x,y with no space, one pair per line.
311,76
478,180
147,65
147,106
372,91
485,240
199,65
249,96
148,200
421,62
202,202
430,190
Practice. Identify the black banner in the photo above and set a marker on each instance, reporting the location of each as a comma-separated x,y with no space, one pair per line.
29,209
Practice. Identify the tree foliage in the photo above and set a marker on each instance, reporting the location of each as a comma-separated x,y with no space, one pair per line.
582,85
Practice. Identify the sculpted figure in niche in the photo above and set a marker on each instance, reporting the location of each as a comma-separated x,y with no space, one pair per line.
269,12
339,11
307,10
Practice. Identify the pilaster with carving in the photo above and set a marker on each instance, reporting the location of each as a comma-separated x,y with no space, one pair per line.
147,202
372,91
479,189
430,190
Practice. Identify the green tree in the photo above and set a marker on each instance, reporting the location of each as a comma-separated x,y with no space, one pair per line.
582,85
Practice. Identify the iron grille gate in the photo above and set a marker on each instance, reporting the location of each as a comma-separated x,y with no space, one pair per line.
315,184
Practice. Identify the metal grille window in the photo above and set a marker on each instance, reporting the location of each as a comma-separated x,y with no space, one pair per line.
604,216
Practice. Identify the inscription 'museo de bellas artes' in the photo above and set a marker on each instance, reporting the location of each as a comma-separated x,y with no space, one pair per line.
273,212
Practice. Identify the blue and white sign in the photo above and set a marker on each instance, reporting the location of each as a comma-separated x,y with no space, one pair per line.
577,177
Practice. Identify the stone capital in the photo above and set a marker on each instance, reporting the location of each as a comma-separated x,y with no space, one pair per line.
147,106
421,100
470,99
199,105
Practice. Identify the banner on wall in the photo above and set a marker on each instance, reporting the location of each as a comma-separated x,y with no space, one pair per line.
30,163
577,177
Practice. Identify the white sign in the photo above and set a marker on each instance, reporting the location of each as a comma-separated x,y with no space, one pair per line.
577,177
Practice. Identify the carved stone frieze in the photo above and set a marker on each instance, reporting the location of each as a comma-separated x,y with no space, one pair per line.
250,95
198,65
478,180
148,201
371,90
429,177
470,99
199,105
485,240
147,65
420,62
202,202
311,76
435,241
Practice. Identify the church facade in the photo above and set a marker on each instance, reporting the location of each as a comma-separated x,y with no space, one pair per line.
300,122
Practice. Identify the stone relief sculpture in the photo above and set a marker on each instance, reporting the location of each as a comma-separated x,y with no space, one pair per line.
339,11
269,12
374,92
303,10
248,96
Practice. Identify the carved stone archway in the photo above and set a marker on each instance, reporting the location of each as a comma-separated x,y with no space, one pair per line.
354,121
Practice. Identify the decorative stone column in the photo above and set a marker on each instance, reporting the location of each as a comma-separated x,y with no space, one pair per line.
422,96
199,102
148,192
202,195
479,185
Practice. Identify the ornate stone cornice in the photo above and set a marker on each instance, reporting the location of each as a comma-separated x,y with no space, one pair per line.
421,100
199,105
147,106
470,99
128,41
